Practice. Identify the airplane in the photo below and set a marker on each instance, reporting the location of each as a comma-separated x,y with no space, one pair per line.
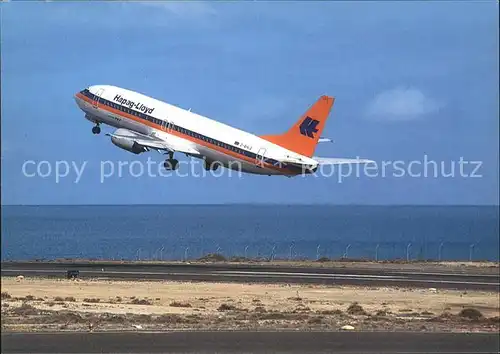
144,124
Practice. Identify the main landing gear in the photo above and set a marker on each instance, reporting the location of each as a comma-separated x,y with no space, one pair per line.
171,164
211,165
96,129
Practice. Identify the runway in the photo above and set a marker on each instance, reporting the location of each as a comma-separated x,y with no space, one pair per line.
251,342
245,273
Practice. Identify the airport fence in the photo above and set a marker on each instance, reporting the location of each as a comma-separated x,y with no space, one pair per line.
291,251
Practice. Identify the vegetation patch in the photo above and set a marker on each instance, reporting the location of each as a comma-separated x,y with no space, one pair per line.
25,310
471,313
406,310
295,298
141,302
260,309
169,318
356,309
213,257
315,320
63,317
227,307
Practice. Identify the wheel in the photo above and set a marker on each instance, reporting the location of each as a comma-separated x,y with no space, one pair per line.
171,164
213,166
96,129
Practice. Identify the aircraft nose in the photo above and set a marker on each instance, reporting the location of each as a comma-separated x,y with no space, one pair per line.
78,96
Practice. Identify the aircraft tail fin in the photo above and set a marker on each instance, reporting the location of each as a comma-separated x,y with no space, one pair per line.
303,137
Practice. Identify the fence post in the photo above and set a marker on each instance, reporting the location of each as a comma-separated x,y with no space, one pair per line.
346,250
471,251
272,252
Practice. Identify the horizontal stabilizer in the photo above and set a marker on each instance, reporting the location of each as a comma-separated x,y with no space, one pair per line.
325,140
339,161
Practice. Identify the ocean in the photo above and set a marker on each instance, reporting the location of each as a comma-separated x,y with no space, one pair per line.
176,232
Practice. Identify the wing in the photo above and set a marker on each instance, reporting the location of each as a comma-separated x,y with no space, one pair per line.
153,142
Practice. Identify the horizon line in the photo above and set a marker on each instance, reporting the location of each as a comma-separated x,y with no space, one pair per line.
265,204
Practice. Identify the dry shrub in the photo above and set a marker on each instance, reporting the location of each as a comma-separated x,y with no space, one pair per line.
331,312
470,313
227,307
356,309
141,302
25,310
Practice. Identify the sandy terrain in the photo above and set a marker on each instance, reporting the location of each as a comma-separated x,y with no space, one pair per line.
228,305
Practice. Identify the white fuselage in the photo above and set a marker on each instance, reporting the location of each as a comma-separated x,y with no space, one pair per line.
234,148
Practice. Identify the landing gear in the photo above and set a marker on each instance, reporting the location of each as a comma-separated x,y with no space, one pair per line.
211,166
171,164
96,129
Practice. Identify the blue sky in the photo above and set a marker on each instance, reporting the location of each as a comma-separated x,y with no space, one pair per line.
410,79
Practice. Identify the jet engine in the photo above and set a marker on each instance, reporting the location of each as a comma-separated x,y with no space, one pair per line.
126,142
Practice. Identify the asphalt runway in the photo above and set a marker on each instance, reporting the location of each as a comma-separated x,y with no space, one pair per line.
245,273
251,342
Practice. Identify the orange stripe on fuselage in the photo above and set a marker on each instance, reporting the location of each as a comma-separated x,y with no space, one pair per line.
180,135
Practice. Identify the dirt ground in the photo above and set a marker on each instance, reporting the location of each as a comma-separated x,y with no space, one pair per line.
45,304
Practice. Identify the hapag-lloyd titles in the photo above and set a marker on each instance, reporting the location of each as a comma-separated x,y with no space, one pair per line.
131,104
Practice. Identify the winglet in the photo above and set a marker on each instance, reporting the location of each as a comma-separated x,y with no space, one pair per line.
303,137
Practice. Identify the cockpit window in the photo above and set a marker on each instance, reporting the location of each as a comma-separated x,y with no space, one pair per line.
86,92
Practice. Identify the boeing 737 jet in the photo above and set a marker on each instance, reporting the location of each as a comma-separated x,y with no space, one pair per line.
144,123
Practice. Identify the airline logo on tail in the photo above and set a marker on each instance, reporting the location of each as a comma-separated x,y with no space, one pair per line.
308,127
304,135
